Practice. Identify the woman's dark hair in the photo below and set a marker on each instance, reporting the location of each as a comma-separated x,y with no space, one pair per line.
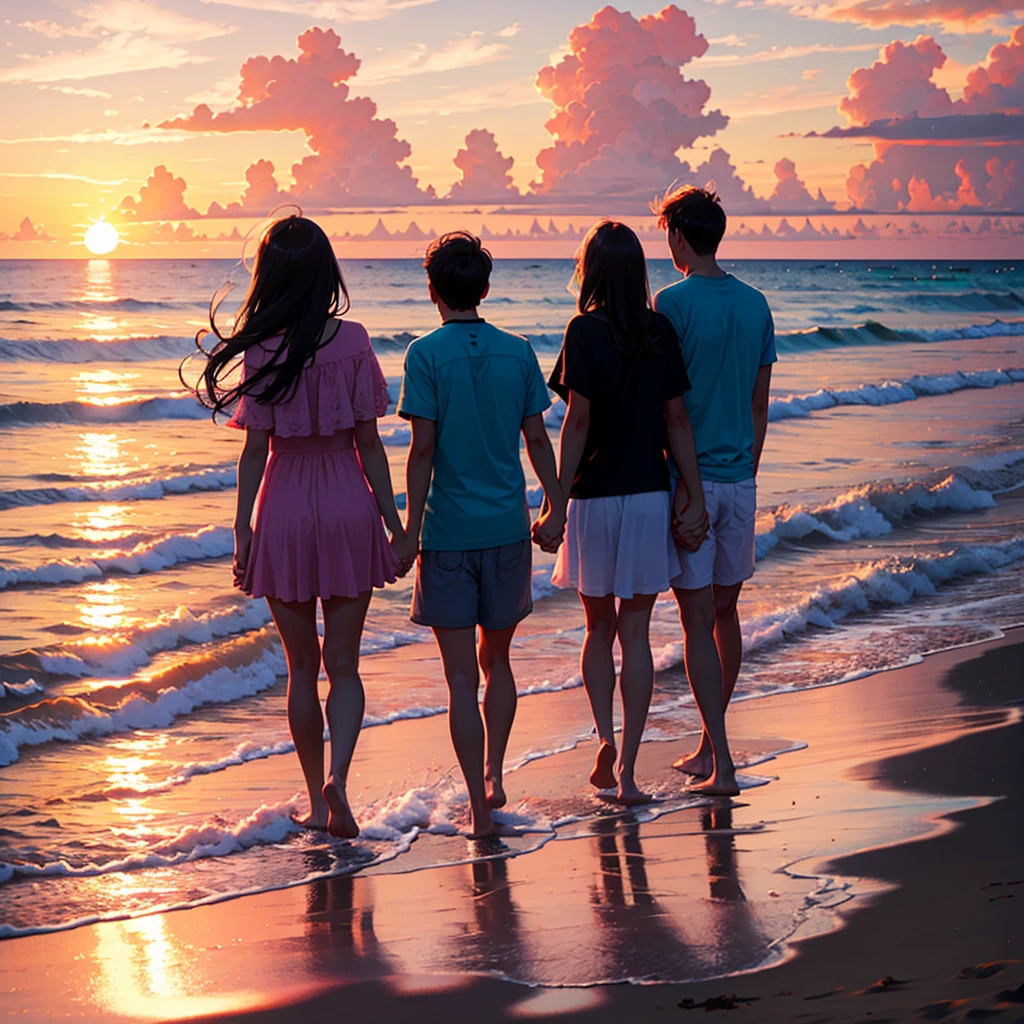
611,275
296,288
694,212
459,268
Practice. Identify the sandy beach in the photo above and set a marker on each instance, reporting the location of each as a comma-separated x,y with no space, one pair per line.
897,827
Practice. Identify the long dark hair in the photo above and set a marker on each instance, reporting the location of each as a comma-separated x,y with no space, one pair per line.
296,288
611,275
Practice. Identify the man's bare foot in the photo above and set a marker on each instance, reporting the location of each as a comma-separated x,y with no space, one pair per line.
340,822
483,827
495,793
630,796
603,775
701,765
721,783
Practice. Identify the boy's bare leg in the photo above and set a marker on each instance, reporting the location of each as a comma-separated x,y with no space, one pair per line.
458,652
499,707
637,684
598,669
729,641
704,670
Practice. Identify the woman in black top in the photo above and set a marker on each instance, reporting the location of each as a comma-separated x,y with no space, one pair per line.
621,372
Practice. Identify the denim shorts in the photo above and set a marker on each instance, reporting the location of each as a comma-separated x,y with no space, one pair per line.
490,587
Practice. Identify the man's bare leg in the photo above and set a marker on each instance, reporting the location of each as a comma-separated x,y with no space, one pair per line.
704,670
499,707
598,669
458,653
729,641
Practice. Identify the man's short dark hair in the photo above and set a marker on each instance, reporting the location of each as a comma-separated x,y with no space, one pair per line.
696,213
459,268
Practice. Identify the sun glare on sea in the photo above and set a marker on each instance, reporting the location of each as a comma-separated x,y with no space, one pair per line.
101,238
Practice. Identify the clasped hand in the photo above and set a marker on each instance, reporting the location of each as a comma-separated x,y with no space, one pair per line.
690,526
549,530
406,549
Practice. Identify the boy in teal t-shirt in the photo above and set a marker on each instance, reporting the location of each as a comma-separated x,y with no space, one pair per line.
470,390
727,337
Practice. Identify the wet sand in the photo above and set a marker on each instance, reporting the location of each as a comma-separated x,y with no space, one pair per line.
928,753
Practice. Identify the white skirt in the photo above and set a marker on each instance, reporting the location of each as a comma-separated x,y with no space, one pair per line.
619,545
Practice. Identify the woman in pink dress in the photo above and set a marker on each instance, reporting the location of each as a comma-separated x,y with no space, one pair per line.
309,395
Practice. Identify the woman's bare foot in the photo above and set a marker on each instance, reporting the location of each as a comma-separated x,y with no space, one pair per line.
495,793
697,763
316,820
483,826
629,795
340,822
603,775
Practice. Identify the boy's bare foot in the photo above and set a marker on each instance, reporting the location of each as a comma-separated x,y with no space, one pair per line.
340,822
721,783
603,775
630,796
495,793
701,765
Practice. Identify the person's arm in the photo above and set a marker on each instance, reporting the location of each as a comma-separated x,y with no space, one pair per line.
251,463
760,410
374,460
573,441
419,468
689,522
542,458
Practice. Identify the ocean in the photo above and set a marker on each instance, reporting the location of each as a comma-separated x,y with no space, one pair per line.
144,754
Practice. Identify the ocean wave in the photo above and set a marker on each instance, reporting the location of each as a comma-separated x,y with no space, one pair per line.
885,583
143,489
874,333
86,413
890,392
89,350
148,556
874,509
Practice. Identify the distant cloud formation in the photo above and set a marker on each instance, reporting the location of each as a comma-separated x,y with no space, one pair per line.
933,153
28,231
791,193
261,193
484,168
161,198
951,15
622,107
356,157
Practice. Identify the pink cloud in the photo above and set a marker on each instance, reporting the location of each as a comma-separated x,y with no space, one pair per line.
897,84
952,15
161,198
791,193
261,193
997,86
622,107
355,157
484,168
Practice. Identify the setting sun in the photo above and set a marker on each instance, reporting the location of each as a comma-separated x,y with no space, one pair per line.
101,238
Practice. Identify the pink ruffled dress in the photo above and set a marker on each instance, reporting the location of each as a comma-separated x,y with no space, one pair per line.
318,531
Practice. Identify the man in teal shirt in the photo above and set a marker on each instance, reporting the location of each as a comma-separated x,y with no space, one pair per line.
470,390
727,336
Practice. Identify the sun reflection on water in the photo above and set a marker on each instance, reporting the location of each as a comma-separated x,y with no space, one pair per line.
103,387
104,523
102,607
98,286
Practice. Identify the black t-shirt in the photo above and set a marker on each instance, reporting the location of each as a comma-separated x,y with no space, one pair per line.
625,447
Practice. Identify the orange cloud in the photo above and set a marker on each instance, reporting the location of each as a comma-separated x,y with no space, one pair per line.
791,193
484,168
161,198
952,15
356,156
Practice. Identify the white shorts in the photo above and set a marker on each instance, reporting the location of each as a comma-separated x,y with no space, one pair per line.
619,545
727,555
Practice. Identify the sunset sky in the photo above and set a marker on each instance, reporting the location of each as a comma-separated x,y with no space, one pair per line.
147,113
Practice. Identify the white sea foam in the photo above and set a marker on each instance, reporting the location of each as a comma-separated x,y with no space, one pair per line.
25,689
148,556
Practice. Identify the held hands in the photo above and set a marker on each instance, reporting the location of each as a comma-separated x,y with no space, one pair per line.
549,530
405,548
243,546
689,520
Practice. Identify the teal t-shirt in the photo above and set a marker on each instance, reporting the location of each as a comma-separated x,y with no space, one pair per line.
478,384
726,333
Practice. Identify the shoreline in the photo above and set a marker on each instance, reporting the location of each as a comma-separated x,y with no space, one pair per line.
354,930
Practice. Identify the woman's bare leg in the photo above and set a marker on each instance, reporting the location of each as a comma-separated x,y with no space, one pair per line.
296,623
598,669
343,629
637,684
